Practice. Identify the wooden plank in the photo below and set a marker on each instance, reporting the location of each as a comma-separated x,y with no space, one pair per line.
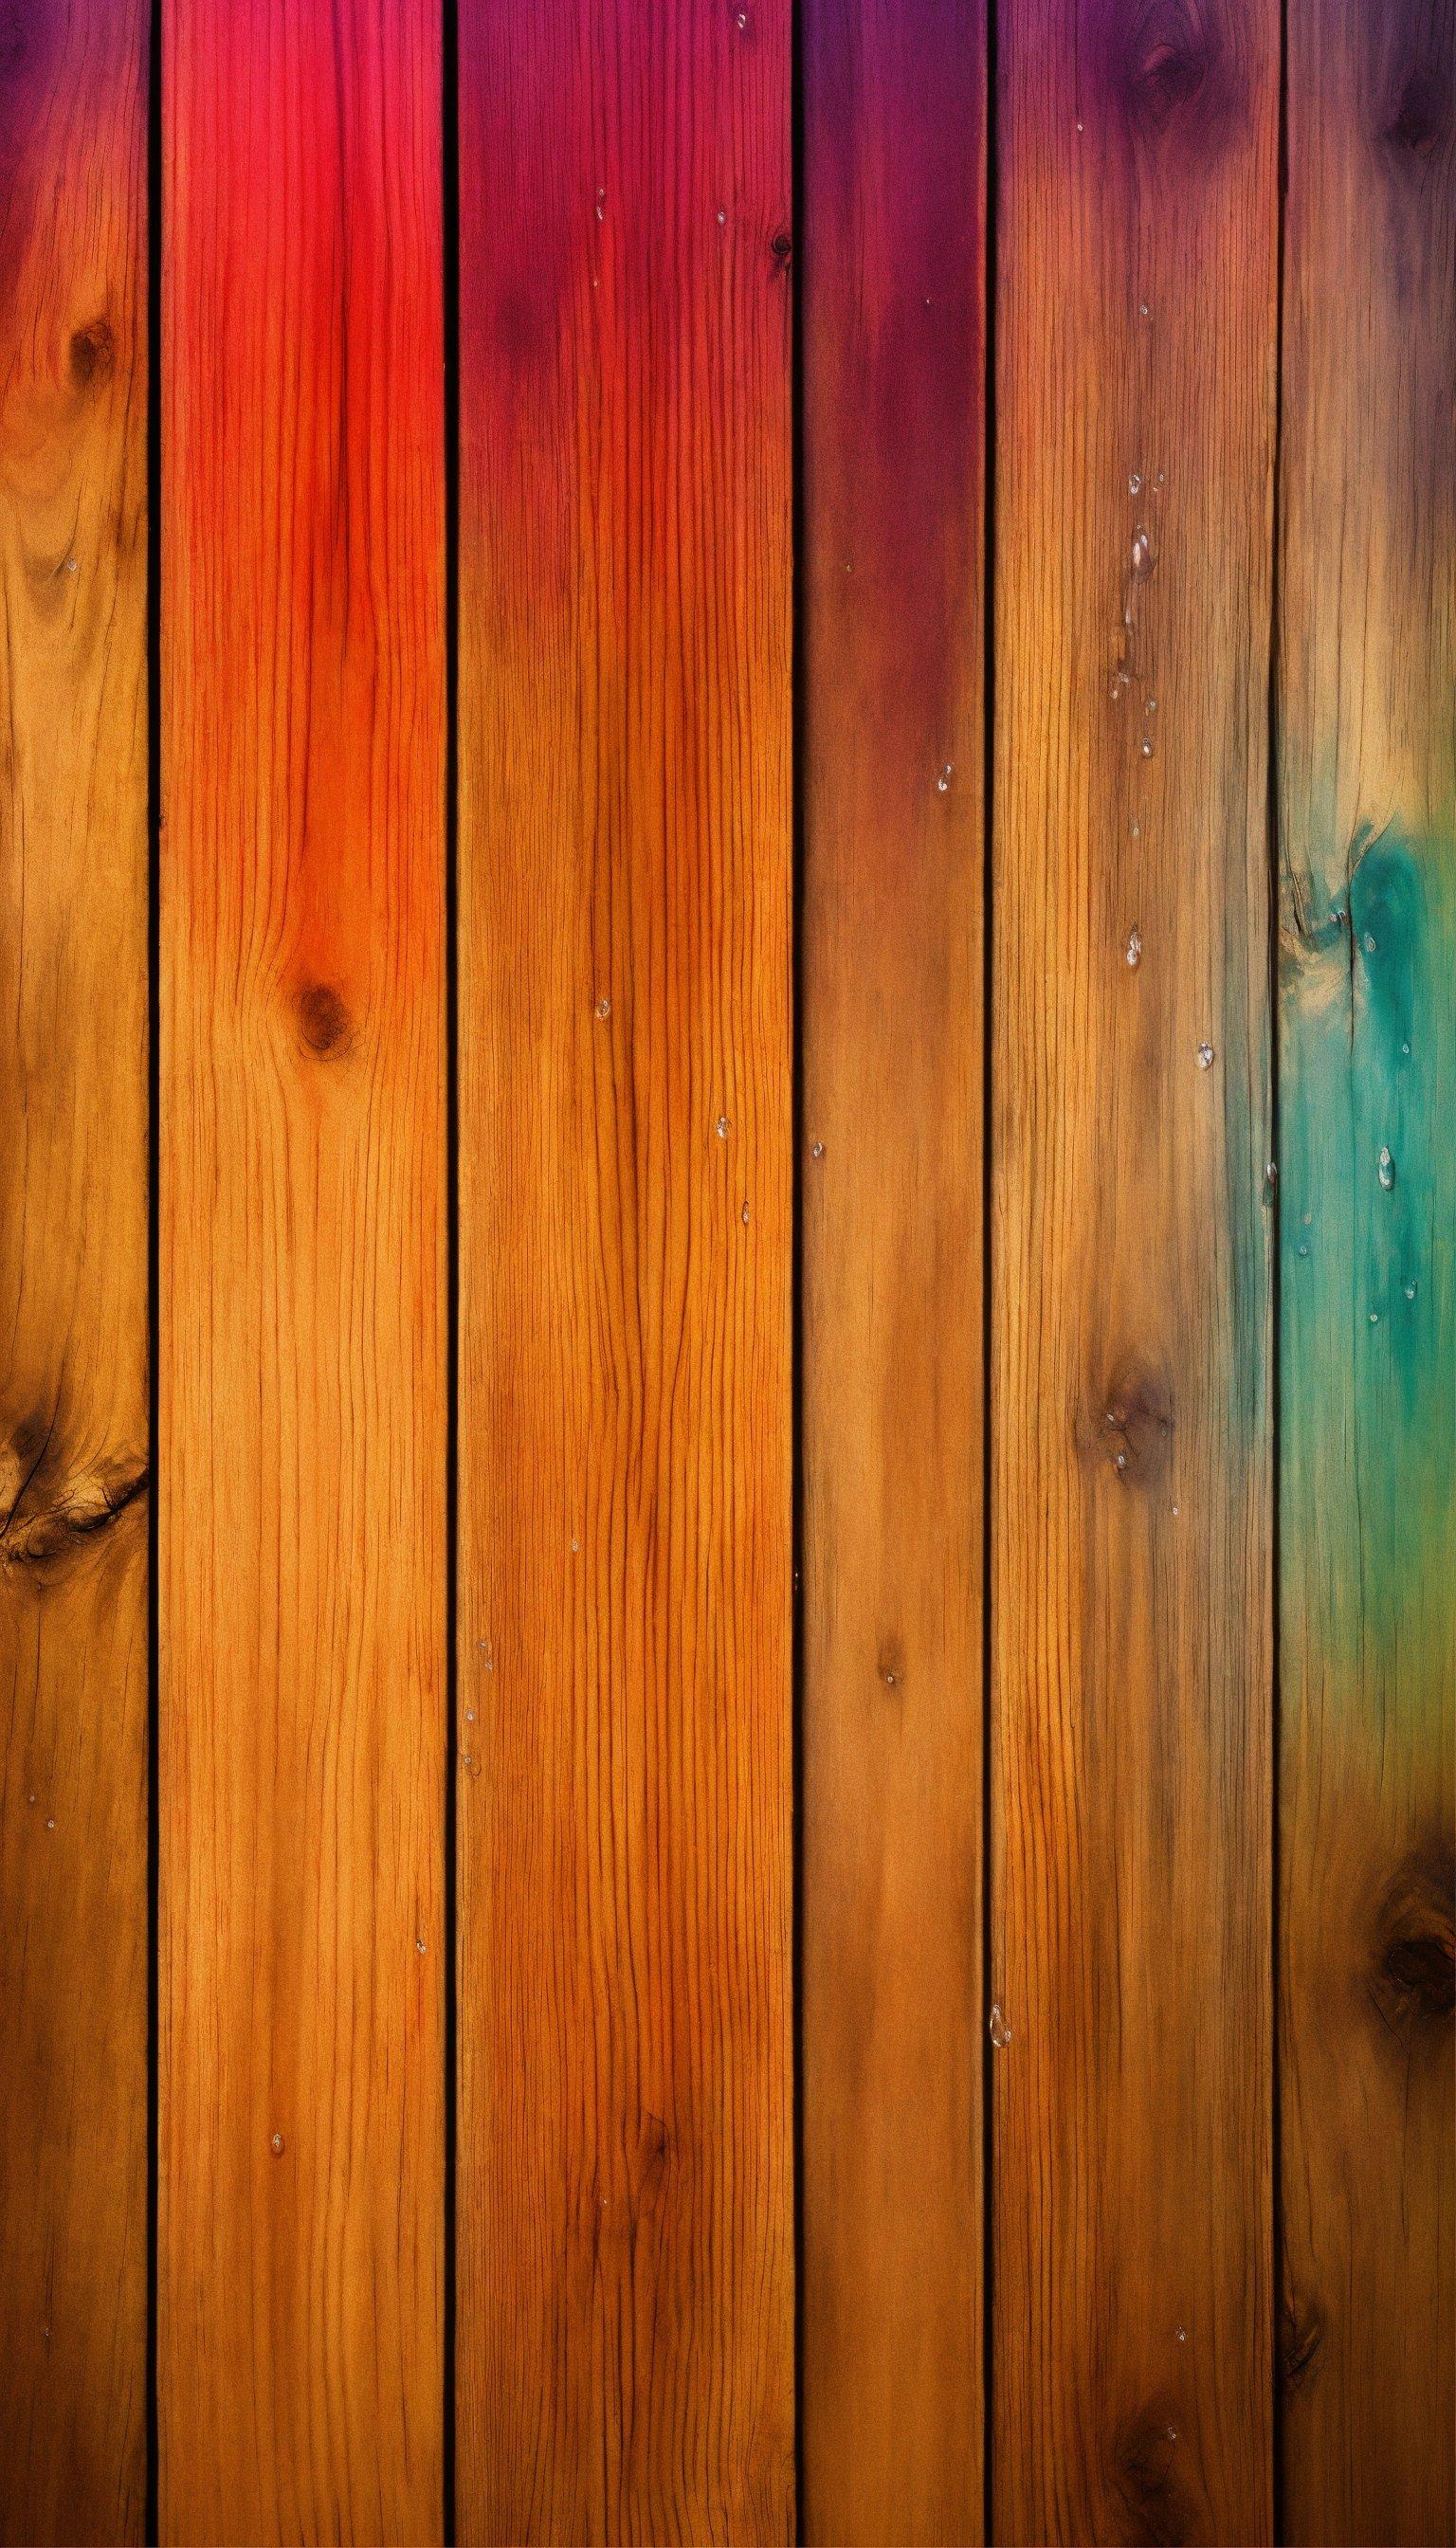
1368,1075
894,394
625,2356
1131,1486
73,1413
302,1349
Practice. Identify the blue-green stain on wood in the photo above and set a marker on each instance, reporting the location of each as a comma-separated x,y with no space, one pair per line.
1368,1239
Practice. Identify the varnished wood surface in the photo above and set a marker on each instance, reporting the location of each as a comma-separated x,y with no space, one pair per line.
625,2336
648,686
1131,1486
890,1178
73,1418
302,1297
1367,764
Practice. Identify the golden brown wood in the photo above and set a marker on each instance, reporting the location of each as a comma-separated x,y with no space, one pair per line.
625,2185
1131,1484
73,1423
1368,1097
894,294
303,1344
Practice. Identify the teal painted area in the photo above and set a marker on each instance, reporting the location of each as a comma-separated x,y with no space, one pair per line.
1368,1261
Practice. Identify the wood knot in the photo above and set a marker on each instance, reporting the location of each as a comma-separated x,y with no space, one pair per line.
93,354
1300,2337
324,1019
1413,1965
57,1513
1419,119
1147,2477
1135,1426
781,247
1164,77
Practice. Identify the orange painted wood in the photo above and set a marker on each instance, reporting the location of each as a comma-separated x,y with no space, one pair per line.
73,1413
892,1037
1368,1090
303,1344
1132,1487
625,2338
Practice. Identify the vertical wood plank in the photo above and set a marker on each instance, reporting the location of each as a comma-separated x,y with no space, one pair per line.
302,1349
894,388
1132,1485
1368,1097
74,1416
625,2185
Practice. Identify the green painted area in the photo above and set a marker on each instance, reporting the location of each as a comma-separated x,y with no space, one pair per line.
1368,1260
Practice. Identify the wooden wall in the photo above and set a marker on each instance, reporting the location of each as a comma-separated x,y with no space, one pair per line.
728,1250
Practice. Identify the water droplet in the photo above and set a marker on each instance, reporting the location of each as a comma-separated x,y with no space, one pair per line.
1151,708
1369,944
1181,2333
890,1676
470,1716
71,565
1080,124
1172,2433
1271,1174
50,1823
1411,1289
722,1127
1135,947
277,2144
1135,829
742,21
1141,555
1160,481
1143,310
999,2030
1122,1461
1375,1317
742,1216
722,217
944,780
1387,1169
1135,485
420,1945
576,1548
1205,1057
1304,1248
604,1006
1175,1512
486,1650
818,1150
1406,1050
1148,747
602,203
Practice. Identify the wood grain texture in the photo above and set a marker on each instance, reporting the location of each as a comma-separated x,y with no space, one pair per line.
74,1416
625,2184
891,1026
302,1346
1367,759
1131,1700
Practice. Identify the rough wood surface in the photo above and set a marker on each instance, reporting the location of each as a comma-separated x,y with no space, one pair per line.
302,1347
1132,1692
73,1448
625,2186
1368,1100
891,1028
